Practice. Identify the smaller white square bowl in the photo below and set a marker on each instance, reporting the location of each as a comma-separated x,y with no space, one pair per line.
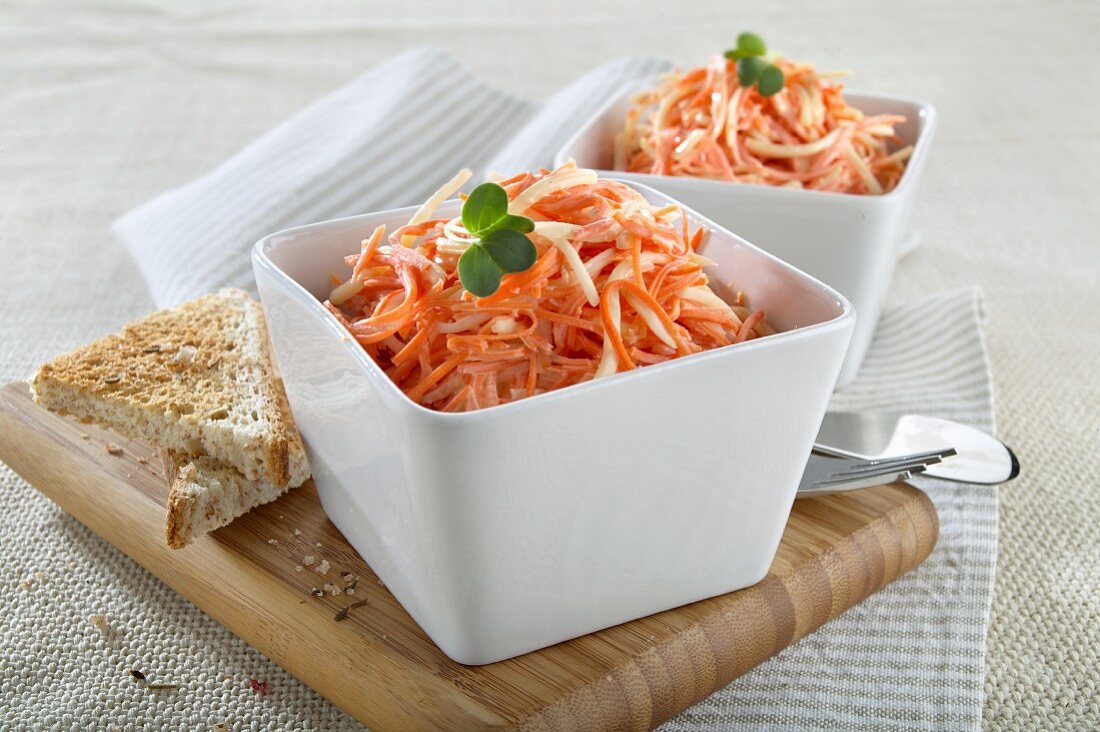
848,241
512,528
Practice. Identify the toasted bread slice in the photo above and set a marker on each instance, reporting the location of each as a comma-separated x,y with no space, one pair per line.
206,495
197,379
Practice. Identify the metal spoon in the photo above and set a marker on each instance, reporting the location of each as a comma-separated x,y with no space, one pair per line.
981,458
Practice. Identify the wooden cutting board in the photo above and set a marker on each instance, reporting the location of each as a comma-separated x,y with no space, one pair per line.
378,665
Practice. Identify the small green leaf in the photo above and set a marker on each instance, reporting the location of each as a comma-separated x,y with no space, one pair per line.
733,54
749,69
487,204
521,224
770,81
750,44
478,273
510,250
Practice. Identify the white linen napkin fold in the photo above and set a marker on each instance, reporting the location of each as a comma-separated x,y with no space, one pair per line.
376,143
912,655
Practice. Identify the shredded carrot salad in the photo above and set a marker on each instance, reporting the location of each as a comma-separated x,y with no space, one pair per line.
618,284
703,123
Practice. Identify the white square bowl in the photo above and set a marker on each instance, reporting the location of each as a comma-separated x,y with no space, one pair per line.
848,241
515,527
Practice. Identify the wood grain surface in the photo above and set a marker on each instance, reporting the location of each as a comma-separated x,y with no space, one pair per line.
378,665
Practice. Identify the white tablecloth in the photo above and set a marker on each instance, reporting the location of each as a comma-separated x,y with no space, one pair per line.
103,106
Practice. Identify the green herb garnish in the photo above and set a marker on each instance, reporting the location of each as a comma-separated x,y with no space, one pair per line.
501,246
752,67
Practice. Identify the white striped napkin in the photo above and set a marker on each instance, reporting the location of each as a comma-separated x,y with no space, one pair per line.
912,655
374,144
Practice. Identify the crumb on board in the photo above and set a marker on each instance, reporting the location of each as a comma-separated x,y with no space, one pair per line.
308,559
272,541
297,532
142,461
317,592
112,449
318,545
343,612
323,567
280,517
298,568
84,436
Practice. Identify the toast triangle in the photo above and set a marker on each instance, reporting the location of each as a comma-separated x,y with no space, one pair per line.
197,379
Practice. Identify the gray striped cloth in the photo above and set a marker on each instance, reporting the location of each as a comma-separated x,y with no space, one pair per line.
910,656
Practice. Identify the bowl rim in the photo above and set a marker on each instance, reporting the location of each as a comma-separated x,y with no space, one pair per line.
927,119
262,260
